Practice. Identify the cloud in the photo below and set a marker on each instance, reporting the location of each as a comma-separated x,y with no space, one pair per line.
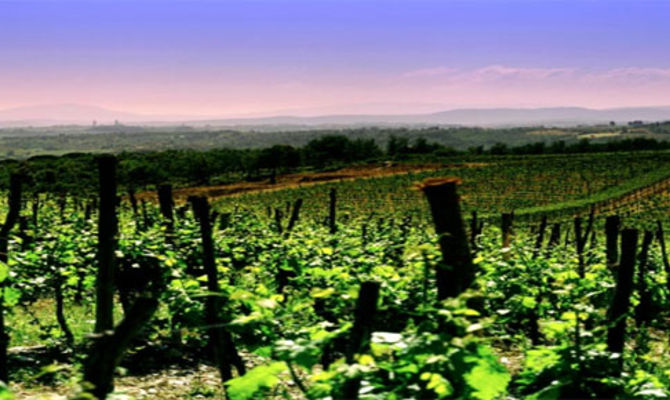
495,72
631,75
490,73
508,74
504,85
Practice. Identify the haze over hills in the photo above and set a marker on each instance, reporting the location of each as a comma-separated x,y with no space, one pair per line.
74,114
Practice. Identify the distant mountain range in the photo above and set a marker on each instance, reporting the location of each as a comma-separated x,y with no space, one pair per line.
73,114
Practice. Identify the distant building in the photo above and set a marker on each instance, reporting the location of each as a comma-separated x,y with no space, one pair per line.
635,123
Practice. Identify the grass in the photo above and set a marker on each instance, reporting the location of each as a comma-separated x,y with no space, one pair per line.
36,323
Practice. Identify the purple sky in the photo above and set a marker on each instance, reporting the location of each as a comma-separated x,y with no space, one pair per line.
323,56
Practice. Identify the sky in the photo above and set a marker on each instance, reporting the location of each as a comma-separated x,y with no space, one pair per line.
309,57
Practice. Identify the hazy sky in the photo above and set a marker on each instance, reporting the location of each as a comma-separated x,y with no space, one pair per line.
235,57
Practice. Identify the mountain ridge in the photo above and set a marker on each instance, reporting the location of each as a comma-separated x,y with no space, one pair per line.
75,114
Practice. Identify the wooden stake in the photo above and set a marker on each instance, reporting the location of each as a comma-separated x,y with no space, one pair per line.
107,230
612,224
221,341
457,272
361,332
616,315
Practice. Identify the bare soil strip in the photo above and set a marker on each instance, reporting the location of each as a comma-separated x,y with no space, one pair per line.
289,181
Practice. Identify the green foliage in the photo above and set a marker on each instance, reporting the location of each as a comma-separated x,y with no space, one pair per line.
258,379
288,299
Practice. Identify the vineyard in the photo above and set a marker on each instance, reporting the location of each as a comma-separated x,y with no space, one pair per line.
518,277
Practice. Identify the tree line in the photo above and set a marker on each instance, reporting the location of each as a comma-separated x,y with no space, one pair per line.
75,172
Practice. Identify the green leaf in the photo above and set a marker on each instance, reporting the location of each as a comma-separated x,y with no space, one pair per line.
318,293
259,378
4,271
11,296
488,378
528,302
5,394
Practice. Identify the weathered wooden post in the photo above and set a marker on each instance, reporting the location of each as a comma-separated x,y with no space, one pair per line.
643,309
554,236
361,332
36,210
616,314
166,204
15,183
612,226
295,214
456,273
221,341
660,235
107,231
108,348
278,220
224,221
540,236
26,239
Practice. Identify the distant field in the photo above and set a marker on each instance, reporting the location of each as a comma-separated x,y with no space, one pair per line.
492,186
25,142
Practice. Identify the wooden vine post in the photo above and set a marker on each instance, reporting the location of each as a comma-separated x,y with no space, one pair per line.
15,183
220,339
107,231
166,204
279,216
616,314
643,309
361,333
660,236
554,236
109,343
108,348
612,226
456,273
35,210
332,216
295,214
540,236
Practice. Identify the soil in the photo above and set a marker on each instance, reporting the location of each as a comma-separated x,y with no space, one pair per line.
288,181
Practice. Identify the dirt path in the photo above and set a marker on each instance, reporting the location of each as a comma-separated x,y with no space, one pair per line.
305,179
